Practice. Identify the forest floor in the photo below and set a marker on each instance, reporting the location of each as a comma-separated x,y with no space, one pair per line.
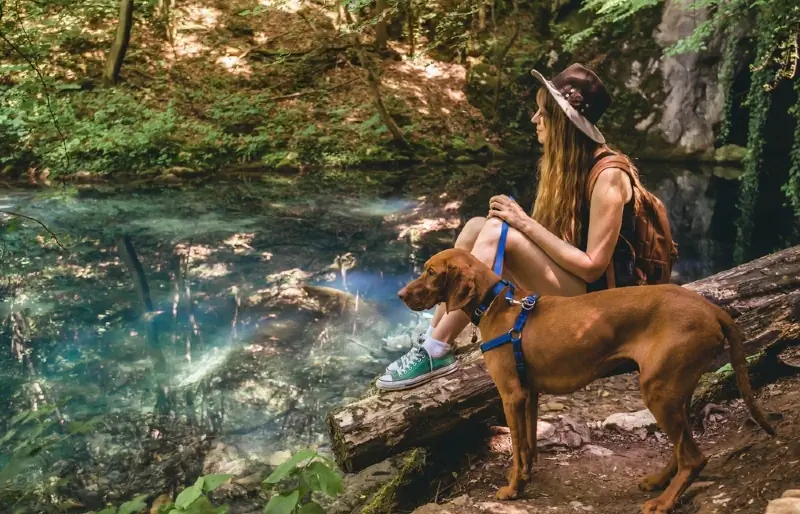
746,469
241,84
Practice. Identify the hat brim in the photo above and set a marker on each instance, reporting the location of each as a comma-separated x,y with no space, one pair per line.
584,125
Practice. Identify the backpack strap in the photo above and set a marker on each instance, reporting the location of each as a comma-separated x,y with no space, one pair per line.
609,160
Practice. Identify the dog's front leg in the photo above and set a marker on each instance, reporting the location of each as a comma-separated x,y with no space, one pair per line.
514,406
531,417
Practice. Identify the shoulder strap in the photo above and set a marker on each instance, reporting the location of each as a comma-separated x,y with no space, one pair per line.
611,161
606,161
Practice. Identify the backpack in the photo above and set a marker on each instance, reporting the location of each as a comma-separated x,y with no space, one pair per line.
652,250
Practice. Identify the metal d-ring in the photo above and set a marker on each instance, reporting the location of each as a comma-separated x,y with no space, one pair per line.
527,303
512,332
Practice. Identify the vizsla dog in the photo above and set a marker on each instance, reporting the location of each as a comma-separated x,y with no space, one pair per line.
671,333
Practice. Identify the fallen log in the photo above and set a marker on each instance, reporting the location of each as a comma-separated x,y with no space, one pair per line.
762,295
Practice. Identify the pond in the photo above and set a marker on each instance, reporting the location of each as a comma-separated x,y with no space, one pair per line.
246,308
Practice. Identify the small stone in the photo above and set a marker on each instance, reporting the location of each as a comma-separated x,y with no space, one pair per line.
279,457
554,406
461,500
544,430
630,421
598,451
605,393
568,482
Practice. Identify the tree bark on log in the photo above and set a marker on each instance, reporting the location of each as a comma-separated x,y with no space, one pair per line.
762,296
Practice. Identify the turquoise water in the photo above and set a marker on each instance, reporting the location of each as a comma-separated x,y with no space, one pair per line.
266,312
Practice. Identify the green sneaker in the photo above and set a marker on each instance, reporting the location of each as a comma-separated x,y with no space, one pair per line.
415,368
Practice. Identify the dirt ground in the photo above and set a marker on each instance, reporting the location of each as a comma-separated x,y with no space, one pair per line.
746,467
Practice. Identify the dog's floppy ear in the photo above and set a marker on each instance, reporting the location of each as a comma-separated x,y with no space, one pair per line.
461,288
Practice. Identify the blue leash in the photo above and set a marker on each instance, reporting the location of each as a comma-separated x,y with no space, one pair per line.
513,336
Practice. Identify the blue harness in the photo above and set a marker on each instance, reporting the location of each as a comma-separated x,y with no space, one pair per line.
513,336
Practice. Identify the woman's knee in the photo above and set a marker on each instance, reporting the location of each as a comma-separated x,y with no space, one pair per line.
490,231
469,234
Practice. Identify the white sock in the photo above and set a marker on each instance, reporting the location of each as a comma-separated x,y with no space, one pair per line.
435,348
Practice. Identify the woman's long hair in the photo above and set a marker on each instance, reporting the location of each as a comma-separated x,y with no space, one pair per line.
563,170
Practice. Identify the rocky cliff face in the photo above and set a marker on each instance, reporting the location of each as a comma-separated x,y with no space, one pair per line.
664,106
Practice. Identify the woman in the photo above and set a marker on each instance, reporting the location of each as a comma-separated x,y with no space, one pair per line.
566,245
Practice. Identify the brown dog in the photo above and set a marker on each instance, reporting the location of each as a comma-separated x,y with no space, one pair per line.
671,333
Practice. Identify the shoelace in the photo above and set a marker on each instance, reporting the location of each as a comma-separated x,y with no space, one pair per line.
408,360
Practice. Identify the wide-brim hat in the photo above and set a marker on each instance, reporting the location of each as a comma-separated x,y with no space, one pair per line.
581,95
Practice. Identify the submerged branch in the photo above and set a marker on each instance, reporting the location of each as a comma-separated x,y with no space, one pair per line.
52,234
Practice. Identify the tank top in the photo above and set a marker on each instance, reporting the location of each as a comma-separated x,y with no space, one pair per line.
622,257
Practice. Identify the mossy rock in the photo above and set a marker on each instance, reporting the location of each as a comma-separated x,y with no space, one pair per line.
376,489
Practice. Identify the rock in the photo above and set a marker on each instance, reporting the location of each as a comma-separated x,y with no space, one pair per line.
544,430
576,505
729,154
598,451
279,457
784,505
554,406
631,421
694,101
460,501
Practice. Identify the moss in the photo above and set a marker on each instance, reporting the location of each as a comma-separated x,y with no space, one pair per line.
383,501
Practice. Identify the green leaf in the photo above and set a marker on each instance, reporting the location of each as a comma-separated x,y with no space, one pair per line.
108,510
201,505
189,495
8,435
20,416
211,482
311,508
323,478
284,469
283,503
221,510
133,506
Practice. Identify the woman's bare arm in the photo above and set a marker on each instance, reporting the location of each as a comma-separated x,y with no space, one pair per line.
611,192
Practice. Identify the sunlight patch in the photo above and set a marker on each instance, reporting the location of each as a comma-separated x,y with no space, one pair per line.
210,271
240,242
235,65
425,226
290,6
203,368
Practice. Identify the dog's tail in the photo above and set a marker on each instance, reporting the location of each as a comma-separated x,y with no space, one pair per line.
740,369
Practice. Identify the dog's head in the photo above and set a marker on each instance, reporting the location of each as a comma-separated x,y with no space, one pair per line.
449,276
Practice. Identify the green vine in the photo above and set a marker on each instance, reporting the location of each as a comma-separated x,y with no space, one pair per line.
727,72
792,187
758,102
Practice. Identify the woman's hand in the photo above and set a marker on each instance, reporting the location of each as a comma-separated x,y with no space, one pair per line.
508,210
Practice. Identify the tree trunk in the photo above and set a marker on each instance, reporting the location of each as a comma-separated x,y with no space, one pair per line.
411,25
373,83
381,34
762,295
501,57
120,45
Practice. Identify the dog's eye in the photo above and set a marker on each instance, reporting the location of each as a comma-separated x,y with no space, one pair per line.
431,272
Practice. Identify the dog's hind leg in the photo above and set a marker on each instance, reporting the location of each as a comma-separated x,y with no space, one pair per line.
531,417
514,406
670,412
660,480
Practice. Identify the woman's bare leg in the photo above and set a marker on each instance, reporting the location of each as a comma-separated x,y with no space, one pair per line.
528,266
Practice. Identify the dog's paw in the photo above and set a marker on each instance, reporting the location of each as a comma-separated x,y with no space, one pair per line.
655,507
507,493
